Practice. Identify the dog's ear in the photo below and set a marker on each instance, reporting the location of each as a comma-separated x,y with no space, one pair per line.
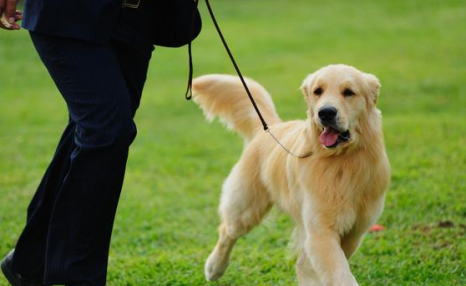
307,84
373,86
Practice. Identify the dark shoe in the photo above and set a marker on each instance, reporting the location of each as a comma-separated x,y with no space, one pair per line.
13,277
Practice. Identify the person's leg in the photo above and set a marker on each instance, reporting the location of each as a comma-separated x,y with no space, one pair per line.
133,49
133,53
54,174
90,79
134,62
30,248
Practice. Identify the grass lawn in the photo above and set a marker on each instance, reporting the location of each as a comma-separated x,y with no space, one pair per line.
167,217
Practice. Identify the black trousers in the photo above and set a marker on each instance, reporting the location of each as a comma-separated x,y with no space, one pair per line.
70,218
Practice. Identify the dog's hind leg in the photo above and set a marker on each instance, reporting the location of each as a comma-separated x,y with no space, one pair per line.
242,207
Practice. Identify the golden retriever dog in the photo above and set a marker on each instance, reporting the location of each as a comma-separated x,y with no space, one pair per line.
334,195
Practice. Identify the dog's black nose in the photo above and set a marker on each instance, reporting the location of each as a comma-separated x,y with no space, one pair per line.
328,114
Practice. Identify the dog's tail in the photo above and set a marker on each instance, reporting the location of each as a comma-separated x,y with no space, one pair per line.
224,96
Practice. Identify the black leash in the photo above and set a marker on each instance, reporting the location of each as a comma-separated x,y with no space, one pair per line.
189,94
264,124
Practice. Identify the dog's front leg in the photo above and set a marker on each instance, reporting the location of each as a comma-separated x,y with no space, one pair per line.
306,274
327,258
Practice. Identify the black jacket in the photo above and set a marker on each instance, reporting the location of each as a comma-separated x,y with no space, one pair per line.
94,20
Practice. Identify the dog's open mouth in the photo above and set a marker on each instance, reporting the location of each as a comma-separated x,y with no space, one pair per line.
331,137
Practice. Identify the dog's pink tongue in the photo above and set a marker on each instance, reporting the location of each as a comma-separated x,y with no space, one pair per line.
328,137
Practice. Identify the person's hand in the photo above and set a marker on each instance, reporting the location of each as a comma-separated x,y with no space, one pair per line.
9,15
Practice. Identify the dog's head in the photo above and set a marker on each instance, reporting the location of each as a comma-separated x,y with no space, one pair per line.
341,100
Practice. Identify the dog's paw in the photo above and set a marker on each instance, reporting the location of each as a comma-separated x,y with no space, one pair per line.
214,268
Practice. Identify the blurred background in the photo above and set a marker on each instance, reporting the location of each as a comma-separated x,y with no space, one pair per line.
167,217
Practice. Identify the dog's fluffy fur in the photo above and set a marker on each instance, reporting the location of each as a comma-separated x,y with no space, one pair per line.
334,195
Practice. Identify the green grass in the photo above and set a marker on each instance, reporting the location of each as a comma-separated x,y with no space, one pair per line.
167,217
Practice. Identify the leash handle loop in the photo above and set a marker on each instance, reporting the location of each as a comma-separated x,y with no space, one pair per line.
189,89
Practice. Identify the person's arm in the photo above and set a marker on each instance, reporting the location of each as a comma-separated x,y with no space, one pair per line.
9,15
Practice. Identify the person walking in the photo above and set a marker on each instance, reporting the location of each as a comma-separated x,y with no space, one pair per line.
97,53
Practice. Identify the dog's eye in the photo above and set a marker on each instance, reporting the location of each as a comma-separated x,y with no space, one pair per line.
318,91
348,92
